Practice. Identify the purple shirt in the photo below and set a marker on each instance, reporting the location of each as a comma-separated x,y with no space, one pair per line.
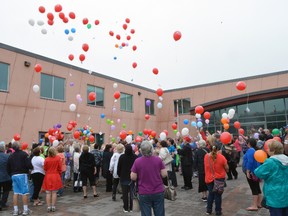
148,170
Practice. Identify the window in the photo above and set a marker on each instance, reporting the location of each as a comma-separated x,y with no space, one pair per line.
99,101
4,76
52,87
183,106
149,109
126,102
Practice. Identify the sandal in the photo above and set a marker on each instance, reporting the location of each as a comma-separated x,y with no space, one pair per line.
38,204
96,195
251,209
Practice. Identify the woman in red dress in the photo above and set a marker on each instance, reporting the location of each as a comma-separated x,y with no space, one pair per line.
52,181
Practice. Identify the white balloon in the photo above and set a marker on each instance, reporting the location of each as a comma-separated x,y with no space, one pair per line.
115,85
55,143
224,115
207,121
31,22
44,31
230,116
72,107
129,139
40,22
247,109
90,71
185,131
161,98
78,115
231,111
198,115
70,38
159,105
178,134
162,135
36,88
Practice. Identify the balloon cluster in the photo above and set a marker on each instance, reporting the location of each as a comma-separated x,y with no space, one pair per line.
54,134
226,118
199,111
84,133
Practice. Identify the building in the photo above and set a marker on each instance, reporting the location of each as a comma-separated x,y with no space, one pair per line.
29,113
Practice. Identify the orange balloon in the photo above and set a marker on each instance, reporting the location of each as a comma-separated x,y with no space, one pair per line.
46,135
224,121
260,156
226,126
130,132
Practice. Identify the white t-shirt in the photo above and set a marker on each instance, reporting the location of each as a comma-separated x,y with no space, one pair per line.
76,162
38,165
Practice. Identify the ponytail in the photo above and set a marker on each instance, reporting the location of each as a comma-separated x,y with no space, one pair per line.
214,153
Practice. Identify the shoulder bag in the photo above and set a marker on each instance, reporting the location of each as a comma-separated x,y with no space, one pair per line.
169,191
136,203
168,159
219,183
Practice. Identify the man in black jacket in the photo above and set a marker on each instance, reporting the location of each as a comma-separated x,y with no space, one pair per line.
187,163
18,168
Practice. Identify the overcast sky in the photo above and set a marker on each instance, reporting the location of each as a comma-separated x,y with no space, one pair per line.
221,39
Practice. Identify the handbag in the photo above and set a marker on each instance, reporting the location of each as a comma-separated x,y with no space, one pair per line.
136,204
254,177
219,183
168,159
78,183
169,191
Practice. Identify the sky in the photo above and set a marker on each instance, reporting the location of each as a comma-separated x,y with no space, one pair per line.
221,40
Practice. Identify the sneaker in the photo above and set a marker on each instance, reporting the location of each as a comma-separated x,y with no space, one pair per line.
53,208
204,199
208,213
15,213
27,212
125,211
218,213
49,209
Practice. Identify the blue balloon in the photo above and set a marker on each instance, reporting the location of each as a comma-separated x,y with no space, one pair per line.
186,121
73,30
66,31
193,124
41,140
102,115
115,58
199,124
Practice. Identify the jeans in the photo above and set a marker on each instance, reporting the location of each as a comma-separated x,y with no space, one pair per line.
115,185
61,190
278,211
5,187
31,190
211,197
152,201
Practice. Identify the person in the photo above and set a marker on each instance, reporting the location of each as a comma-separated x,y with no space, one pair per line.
107,154
125,163
238,149
98,160
274,172
52,180
174,154
149,170
199,164
37,175
215,166
60,150
248,167
113,168
76,156
5,179
164,154
186,164
87,169
230,153
18,168
268,134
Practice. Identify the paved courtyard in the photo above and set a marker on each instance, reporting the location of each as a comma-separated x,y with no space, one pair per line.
236,198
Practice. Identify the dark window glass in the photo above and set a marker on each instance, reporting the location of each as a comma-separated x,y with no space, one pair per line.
126,102
4,76
149,109
273,107
183,106
52,87
99,95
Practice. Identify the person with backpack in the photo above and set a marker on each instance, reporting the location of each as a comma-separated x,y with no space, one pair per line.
98,155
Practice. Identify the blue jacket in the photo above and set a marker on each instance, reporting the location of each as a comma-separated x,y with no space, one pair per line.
249,162
3,167
274,172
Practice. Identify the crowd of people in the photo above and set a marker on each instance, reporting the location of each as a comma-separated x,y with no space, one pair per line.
50,168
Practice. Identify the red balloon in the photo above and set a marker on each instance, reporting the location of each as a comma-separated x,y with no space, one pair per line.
177,35
72,15
134,65
76,134
50,22
74,123
92,96
85,21
145,131
41,9
58,8
159,92
51,131
237,124
123,134
155,71
50,16
174,126
132,31
85,47
241,85
266,147
61,15
277,139
97,22
127,20
199,109
166,132
128,37
123,44
124,26
241,131
91,138
65,20
82,57
153,134
69,127
207,115
24,146
118,37
149,131
38,68
117,95
16,137
61,136
147,117
52,138
225,137
138,139
134,48
71,57
111,33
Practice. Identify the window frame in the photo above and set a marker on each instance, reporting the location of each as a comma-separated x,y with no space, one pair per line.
125,94
8,77
95,91
52,98
149,107
179,102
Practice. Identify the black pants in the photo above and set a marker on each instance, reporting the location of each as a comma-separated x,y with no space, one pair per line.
109,183
232,170
98,172
37,179
187,176
115,185
127,194
5,187
172,176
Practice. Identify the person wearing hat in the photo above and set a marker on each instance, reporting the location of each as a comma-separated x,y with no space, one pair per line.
186,163
5,180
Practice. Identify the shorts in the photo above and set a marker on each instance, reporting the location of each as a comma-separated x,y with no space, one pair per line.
20,184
